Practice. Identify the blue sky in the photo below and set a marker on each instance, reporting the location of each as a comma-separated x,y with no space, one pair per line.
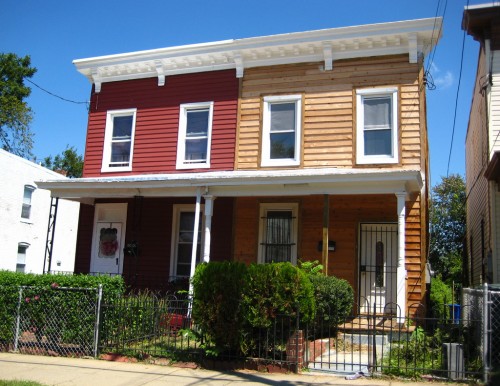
54,33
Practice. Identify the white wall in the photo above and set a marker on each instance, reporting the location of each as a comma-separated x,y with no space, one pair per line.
15,173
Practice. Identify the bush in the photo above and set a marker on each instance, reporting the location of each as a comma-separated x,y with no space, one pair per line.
440,297
276,289
42,297
216,304
334,298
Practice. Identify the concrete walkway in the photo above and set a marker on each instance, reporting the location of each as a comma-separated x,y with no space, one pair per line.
85,372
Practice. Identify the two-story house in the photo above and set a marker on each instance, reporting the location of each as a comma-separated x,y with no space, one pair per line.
30,241
482,22
309,145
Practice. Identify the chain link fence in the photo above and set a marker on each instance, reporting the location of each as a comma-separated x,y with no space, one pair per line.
57,321
483,306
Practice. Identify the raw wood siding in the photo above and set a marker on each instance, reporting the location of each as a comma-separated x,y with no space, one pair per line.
329,108
477,151
157,120
346,213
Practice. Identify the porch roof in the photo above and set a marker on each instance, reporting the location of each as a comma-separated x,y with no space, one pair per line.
240,183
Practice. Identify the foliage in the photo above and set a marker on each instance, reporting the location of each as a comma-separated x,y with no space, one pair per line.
440,296
113,287
217,298
15,114
277,289
447,228
312,268
334,298
68,161
415,356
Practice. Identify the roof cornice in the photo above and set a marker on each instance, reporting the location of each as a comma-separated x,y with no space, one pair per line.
412,37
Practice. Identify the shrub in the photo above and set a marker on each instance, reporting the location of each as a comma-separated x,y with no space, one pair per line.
440,297
217,298
334,298
276,289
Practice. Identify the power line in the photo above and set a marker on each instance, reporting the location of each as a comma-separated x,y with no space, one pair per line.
456,99
55,95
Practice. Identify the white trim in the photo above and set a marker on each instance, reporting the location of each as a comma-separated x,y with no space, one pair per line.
361,158
273,206
181,141
266,159
238,54
108,136
177,209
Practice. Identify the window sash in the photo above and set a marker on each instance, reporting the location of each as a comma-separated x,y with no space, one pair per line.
377,117
195,126
27,198
281,130
184,242
119,138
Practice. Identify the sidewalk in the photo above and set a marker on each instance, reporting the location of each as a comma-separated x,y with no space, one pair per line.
84,372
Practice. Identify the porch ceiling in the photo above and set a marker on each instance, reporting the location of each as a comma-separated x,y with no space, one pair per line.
239,184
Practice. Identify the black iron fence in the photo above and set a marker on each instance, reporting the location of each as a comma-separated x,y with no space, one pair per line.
461,344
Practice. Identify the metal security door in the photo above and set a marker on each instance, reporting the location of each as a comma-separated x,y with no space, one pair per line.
377,267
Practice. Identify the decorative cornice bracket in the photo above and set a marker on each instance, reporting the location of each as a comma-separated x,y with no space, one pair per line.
160,72
96,79
238,60
413,47
328,56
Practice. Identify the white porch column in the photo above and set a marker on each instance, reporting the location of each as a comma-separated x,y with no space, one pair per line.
401,270
209,209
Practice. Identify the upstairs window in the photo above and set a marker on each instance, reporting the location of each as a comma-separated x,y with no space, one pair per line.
377,123
195,133
278,233
281,130
26,210
119,141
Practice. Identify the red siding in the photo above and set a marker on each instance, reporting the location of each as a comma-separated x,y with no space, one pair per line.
149,222
157,120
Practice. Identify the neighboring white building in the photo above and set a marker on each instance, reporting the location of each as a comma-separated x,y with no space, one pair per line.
24,219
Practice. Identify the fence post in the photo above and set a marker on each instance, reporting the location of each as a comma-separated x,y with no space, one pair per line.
18,319
486,319
374,348
98,321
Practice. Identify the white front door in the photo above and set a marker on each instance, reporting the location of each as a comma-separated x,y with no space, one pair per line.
108,238
377,268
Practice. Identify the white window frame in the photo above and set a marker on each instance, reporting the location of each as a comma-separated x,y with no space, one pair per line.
182,163
108,139
176,215
266,207
266,159
361,94
29,204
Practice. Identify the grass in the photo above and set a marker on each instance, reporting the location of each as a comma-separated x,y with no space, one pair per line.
19,383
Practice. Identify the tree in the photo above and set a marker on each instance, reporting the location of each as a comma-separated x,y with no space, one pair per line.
15,114
447,228
68,161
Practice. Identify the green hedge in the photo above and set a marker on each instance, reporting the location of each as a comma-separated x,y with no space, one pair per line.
42,296
217,298
277,289
231,301
334,298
